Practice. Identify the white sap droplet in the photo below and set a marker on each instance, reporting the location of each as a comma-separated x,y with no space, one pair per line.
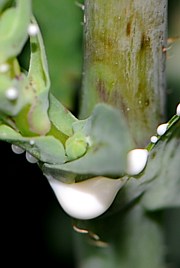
136,161
84,20
12,93
89,141
162,129
154,139
178,110
31,142
16,149
4,67
30,158
33,29
80,5
87,199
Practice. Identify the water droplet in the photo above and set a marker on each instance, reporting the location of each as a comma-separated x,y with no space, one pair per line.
30,158
12,93
16,149
33,29
162,129
136,161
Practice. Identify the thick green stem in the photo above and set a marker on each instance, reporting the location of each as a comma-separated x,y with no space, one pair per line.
124,63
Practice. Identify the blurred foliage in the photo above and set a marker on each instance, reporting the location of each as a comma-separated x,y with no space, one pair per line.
61,27
173,56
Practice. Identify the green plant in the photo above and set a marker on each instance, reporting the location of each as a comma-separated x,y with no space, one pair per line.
91,154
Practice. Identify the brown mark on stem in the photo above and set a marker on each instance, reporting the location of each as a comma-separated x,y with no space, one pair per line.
145,41
128,29
101,89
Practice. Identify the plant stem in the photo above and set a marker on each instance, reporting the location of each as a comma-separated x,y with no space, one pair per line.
124,62
124,66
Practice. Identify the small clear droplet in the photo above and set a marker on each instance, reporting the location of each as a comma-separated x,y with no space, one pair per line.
16,149
30,158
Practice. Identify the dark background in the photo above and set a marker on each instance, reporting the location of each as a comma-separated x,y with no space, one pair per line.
34,229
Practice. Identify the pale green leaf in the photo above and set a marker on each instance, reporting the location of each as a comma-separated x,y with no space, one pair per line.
110,140
13,29
8,106
38,85
60,116
44,148
3,4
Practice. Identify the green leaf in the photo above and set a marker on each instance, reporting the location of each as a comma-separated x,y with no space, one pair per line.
8,106
4,4
39,84
61,118
109,142
36,90
38,68
13,29
30,108
45,148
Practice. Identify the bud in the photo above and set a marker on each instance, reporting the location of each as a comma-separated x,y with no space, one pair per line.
76,146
